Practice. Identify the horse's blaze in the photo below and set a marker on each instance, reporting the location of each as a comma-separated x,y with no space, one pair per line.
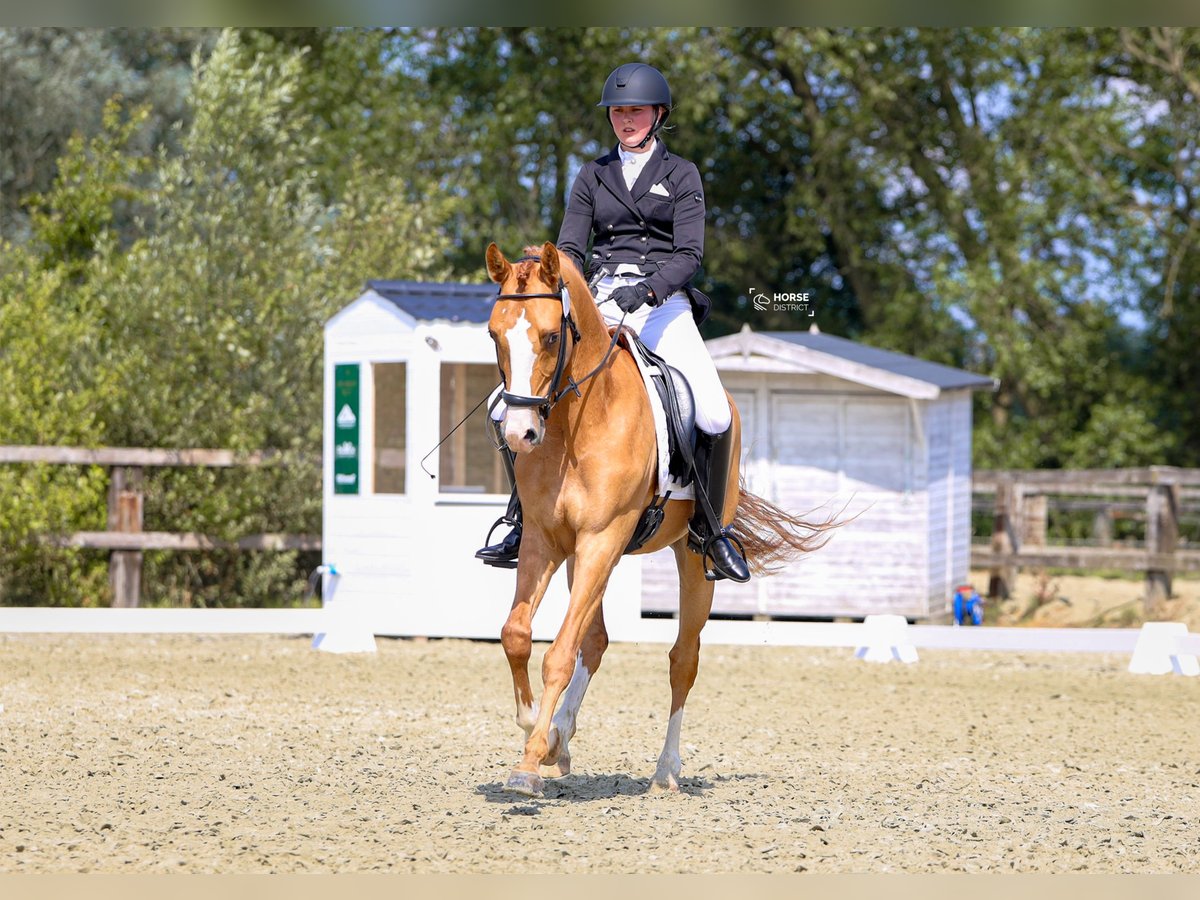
523,428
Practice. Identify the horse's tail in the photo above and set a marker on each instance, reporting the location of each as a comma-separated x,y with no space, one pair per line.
771,536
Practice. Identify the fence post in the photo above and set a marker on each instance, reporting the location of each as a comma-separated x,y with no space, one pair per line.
1034,520
1162,538
1002,577
125,515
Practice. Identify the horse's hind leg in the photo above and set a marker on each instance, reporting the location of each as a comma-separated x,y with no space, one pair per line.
557,761
695,603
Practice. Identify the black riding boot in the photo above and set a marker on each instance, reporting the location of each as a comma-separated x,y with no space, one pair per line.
503,554
714,453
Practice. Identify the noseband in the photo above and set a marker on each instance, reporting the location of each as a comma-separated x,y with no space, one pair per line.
545,402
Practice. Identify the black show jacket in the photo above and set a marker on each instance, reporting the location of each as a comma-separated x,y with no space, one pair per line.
660,230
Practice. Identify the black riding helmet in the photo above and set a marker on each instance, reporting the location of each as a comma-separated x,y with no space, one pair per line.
637,84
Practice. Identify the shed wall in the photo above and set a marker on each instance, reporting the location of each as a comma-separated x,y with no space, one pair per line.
817,452
948,430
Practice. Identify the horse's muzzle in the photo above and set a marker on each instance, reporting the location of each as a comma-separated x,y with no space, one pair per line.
523,429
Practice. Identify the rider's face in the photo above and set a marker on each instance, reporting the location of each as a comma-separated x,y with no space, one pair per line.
631,124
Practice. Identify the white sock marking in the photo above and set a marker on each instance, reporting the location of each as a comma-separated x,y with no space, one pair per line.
669,763
526,717
568,711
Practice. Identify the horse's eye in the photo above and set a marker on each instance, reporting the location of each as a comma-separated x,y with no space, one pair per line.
550,338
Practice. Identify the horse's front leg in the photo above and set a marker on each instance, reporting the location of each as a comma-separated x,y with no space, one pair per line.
695,603
594,561
534,570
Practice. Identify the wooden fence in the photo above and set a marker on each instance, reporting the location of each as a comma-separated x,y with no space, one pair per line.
1021,500
124,537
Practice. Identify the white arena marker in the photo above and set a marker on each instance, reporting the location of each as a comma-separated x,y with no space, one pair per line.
885,637
345,640
1158,651
346,631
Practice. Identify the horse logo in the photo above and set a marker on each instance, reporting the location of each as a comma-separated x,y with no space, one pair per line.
760,300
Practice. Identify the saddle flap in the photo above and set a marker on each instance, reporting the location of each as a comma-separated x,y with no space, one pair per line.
677,400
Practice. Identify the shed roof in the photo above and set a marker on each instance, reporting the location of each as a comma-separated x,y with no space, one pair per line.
945,378
459,302
449,301
813,352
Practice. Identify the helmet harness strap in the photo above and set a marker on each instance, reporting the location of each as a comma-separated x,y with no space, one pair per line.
654,129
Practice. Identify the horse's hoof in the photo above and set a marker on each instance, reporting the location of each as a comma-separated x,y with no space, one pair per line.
663,782
525,783
558,768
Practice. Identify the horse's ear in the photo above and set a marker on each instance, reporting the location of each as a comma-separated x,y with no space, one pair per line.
498,267
550,268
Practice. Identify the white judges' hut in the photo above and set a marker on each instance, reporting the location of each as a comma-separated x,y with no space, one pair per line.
830,427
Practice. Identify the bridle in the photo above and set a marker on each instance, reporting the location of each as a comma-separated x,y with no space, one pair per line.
545,402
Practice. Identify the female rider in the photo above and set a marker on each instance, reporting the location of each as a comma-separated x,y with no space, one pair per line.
642,207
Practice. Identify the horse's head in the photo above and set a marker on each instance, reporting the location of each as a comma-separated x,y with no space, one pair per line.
529,326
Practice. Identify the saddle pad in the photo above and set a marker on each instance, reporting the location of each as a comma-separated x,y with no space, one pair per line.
665,481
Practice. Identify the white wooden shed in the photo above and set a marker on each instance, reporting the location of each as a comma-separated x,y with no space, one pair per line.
834,427
828,422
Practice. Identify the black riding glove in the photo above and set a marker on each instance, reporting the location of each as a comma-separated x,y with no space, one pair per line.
631,296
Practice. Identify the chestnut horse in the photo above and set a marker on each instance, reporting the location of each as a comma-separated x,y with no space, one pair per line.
580,423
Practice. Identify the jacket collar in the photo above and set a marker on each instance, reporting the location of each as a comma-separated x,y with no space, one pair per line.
655,170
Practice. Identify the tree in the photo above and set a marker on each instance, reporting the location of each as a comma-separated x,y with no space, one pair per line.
949,193
1154,71
56,82
218,316
208,328
51,379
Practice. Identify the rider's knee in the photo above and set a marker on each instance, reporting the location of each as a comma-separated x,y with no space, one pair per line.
714,417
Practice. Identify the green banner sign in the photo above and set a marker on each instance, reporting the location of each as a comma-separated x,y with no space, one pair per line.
345,428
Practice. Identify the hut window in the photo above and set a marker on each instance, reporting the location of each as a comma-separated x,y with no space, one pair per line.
468,463
391,385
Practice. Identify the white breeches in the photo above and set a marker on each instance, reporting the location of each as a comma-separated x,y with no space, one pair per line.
670,331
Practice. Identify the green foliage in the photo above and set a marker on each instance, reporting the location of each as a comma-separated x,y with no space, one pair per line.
207,331
57,82
50,381
236,284
97,178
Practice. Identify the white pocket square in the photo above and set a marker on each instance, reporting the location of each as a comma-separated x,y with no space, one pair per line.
659,189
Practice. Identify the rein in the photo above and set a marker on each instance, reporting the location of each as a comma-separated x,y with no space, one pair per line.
544,403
